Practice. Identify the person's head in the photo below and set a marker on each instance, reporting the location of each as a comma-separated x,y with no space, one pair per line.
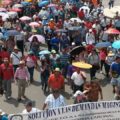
56,92
29,106
6,61
35,39
4,49
117,59
16,49
57,71
22,63
93,52
78,70
53,52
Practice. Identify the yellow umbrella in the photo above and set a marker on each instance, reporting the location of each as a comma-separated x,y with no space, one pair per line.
82,65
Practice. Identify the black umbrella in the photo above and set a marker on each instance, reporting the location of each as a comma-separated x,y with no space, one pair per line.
77,50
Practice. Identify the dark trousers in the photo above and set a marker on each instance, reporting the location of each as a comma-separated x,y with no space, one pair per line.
102,63
15,67
107,69
93,71
76,87
20,45
31,71
111,4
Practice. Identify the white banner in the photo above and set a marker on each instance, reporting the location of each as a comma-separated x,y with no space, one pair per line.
104,110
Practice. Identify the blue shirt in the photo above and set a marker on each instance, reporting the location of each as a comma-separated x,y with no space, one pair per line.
115,67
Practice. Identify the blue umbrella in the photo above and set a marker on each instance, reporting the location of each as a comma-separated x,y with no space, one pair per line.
43,3
103,44
12,32
44,52
25,3
116,44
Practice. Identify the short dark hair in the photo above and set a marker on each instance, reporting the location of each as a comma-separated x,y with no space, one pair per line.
29,104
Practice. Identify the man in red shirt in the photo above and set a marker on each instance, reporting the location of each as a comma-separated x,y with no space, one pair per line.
7,75
4,54
56,80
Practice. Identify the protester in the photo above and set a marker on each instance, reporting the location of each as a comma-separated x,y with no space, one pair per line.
15,57
31,63
54,100
78,79
94,89
22,78
56,80
7,75
29,108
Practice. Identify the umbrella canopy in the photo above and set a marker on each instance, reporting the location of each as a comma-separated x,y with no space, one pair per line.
103,44
74,28
12,32
25,3
44,52
43,3
40,38
112,31
61,30
6,2
12,14
3,10
85,8
52,5
34,24
25,18
116,44
82,65
17,6
111,13
75,19
4,16
77,50
15,10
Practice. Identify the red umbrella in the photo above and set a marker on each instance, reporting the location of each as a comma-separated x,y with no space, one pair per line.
112,31
15,10
6,2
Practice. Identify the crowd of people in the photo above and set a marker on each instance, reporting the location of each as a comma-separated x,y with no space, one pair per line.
49,38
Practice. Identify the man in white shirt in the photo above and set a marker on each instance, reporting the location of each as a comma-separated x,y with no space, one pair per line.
29,108
15,57
78,78
54,100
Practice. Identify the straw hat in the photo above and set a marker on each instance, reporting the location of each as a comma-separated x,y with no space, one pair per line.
53,51
1,112
110,54
57,69
22,62
16,48
82,65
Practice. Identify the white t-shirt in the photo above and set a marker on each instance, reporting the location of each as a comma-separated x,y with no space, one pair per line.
54,103
34,110
77,78
16,58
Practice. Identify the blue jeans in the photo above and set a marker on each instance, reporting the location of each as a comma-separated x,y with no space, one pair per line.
31,71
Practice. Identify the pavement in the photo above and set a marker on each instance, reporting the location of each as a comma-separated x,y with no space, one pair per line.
35,93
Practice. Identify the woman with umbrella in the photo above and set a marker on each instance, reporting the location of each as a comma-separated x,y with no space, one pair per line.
35,45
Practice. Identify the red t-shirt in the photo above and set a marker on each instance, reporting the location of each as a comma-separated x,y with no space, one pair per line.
56,83
7,73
